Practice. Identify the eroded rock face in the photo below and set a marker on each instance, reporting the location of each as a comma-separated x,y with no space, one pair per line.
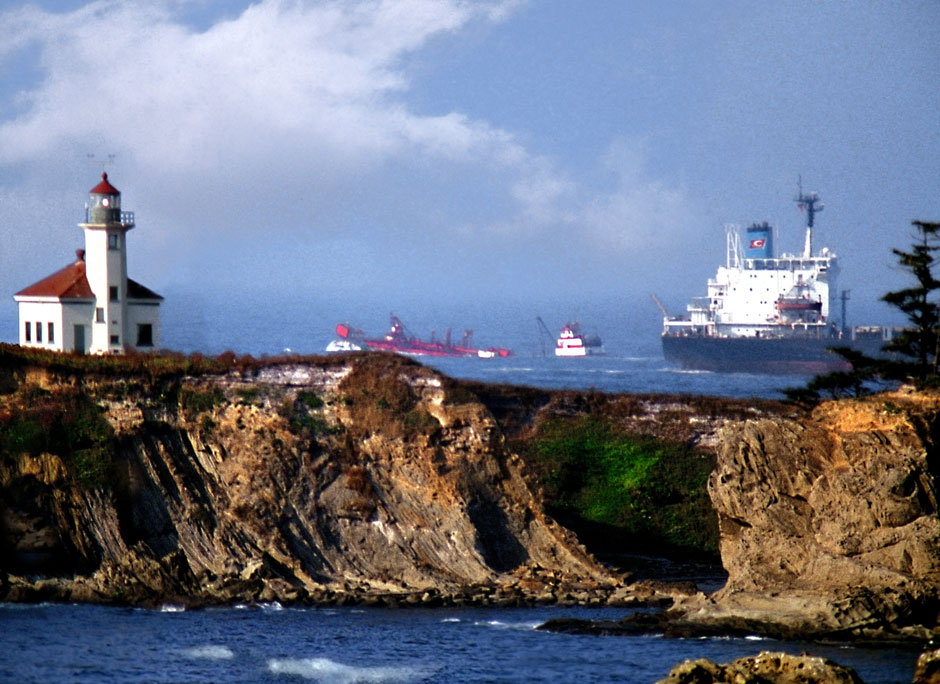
830,525
764,668
368,477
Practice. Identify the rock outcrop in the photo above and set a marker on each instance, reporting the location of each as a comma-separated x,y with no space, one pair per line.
829,525
365,478
764,668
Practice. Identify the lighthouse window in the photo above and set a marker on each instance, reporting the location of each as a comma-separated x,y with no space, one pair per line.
113,293
38,331
115,339
51,335
113,241
29,333
99,315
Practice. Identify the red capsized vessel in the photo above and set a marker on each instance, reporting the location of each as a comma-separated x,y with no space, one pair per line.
399,340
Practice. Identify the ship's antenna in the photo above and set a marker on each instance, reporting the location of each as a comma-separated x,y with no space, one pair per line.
810,203
733,246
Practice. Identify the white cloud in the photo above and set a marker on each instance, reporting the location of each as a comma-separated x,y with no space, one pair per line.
267,121
327,76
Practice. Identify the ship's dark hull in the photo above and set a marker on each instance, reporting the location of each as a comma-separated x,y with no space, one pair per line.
761,355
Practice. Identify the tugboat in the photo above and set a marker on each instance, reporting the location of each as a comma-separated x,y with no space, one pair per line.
399,340
765,313
572,343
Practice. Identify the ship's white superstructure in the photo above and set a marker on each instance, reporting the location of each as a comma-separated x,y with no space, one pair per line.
569,343
759,294
572,343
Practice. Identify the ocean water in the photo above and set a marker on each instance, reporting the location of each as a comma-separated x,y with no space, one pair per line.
269,643
271,325
633,360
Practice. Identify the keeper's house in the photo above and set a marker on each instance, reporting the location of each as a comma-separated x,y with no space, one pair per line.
91,306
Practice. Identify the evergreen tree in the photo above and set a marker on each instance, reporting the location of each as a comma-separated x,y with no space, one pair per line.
918,341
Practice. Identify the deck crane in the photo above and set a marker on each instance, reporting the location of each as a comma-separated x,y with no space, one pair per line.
544,333
660,305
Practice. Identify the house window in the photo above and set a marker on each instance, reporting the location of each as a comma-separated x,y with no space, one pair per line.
29,331
115,339
99,315
113,293
113,241
144,335
38,331
51,336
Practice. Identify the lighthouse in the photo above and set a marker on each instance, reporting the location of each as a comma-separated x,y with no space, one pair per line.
91,305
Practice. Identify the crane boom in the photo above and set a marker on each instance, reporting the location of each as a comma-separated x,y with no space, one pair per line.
543,333
659,304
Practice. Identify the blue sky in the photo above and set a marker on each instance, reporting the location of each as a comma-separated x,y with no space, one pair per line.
429,151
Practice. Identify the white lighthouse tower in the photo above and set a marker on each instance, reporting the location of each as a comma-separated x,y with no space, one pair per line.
91,305
105,230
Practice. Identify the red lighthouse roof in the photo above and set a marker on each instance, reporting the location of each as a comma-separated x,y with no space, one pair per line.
104,187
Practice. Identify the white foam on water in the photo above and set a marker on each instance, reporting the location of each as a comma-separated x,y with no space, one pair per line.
172,608
499,624
272,606
451,619
328,671
209,652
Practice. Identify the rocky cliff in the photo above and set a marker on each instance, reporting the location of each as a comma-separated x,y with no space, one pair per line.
371,478
366,478
829,524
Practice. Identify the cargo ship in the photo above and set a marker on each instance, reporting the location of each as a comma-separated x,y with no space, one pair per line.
764,313
399,340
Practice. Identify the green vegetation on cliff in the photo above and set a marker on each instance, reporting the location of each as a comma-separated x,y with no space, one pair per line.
604,482
64,422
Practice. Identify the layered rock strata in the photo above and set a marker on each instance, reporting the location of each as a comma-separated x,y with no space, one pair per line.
366,479
829,525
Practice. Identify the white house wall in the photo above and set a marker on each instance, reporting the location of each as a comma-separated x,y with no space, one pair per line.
77,313
142,312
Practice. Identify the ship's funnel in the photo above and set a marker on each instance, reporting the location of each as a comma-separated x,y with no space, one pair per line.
759,243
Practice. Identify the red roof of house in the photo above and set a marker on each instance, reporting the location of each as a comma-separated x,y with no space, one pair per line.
104,187
68,283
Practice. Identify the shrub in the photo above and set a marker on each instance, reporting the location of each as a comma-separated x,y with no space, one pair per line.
66,423
592,473
196,401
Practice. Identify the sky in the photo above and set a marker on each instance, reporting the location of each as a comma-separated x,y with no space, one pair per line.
396,154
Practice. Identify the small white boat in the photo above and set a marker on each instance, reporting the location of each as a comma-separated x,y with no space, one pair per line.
572,343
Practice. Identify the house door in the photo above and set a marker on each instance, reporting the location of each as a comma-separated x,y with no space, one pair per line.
79,339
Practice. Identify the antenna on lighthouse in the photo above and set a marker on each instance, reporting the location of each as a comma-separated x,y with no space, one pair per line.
810,203
100,162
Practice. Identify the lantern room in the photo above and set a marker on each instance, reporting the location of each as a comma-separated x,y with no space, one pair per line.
104,203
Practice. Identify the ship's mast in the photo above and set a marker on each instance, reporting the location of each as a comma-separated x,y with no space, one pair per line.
809,202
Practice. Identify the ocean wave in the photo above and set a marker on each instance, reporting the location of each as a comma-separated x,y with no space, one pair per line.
172,608
209,652
327,671
499,624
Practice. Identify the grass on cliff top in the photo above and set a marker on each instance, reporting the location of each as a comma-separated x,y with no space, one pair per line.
616,489
161,364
